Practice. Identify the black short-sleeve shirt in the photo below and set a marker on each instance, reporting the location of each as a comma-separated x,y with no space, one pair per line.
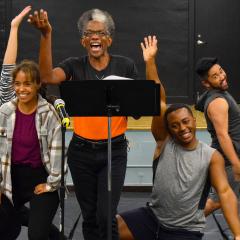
79,68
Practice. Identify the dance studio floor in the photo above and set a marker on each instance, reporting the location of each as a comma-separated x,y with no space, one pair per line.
129,200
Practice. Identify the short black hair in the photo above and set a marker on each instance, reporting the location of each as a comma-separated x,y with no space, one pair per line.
174,107
204,64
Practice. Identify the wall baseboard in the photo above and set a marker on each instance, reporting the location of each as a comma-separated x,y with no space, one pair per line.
125,188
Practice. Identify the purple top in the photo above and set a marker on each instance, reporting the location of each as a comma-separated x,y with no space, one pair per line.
25,143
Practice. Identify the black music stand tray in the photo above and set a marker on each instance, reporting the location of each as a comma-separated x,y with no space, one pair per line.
111,98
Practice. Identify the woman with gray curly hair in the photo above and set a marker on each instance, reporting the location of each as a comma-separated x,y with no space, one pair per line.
87,152
99,16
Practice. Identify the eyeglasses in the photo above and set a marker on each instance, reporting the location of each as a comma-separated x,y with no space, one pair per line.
98,33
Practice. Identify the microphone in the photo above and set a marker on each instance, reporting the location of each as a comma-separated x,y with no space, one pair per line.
59,105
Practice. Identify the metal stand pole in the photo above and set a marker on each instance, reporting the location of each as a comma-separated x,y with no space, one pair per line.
109,178
62,187
110,108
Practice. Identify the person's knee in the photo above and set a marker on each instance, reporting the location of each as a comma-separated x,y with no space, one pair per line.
123,230
121,226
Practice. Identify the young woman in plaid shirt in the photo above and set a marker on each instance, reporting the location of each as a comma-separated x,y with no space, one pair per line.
30,147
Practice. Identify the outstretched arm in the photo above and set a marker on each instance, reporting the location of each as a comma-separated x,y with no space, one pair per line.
48,75
149,48
6,91
12,45
226,195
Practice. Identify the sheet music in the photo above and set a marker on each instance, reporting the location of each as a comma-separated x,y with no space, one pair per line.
115,77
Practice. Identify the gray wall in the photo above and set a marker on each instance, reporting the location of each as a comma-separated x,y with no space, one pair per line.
139,167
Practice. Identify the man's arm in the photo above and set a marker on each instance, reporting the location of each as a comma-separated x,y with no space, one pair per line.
48,75
218,114
226,195
149,48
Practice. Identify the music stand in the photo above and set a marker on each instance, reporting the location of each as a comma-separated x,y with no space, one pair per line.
111,98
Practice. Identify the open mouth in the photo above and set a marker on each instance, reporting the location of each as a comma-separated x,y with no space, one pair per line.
185,135
22,95
95,46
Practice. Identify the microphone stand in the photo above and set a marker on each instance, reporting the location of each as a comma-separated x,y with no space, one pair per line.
109,175
62,187
110,109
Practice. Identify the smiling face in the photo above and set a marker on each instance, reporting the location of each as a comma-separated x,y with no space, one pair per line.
216,78
182,127
26,89
96,39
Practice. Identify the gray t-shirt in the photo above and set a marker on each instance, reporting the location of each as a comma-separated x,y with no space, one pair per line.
179,185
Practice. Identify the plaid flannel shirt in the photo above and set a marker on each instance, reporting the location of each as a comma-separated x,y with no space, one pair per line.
49,134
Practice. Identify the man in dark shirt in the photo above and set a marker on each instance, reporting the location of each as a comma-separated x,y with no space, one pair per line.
223,122
87,153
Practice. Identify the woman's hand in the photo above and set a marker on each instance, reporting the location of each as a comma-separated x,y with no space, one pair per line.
149,48
41,188
40,21
18,19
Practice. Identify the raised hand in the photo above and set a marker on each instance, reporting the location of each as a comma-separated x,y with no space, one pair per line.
18,19
39,20
149,48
